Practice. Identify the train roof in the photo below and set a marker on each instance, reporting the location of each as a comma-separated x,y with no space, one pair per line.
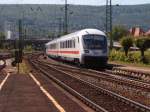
80,32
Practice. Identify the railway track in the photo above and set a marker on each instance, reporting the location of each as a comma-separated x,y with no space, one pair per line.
89,93
116,73
105,76
3,65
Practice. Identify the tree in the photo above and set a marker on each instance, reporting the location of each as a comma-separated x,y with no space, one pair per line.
2,36
50,35
118,32
143,43
126,43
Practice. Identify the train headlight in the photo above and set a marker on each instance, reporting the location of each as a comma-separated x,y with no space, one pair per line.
86,51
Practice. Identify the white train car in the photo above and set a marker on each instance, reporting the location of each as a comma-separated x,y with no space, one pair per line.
85,47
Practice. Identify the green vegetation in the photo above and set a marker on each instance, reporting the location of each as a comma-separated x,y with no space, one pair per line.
126,42
118,32
24,69
2,37
41,19
143,44
28,49
133,57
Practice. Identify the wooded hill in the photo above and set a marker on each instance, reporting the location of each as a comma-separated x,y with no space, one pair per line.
44,18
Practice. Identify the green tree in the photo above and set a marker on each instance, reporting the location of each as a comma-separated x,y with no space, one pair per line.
2,36
50,35
126,43
143,43
118,32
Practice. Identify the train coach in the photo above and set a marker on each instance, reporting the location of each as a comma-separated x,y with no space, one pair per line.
84,47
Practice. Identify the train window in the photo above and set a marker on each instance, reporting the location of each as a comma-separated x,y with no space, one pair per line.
74,43
69,44
94,41
65,44
61,44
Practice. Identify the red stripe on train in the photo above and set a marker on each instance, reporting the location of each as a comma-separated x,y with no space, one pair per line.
65,52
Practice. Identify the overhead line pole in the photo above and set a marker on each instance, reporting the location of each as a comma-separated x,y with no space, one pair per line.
66,17
109,21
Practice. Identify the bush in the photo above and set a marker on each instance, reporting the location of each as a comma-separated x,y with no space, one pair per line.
126,43
118,32
133,57
143,44
28,48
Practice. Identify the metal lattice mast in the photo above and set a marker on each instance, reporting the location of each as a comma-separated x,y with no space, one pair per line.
66,17
109,20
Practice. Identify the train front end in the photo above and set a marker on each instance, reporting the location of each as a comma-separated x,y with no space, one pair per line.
95,50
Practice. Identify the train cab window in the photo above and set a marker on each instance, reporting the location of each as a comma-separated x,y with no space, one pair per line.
94,41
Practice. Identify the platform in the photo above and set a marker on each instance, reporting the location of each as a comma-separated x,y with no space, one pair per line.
34,93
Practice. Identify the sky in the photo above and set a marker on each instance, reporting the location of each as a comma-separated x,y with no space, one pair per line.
81,2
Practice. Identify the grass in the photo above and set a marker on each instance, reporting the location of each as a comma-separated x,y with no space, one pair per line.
133,59
24,68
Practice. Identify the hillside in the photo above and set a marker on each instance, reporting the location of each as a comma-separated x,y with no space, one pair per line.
44,18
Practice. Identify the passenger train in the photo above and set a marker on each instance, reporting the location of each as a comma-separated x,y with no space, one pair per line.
84,47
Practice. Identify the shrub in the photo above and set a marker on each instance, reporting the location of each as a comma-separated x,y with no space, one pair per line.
143,44
118,32
133,57
126,42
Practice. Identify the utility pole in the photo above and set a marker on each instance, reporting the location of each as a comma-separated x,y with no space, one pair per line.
18,52
66,17
109,21
60,26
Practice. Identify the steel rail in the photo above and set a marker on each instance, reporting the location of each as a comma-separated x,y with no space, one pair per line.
73,92
120,98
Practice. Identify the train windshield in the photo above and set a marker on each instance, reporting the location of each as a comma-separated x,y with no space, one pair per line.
94,41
